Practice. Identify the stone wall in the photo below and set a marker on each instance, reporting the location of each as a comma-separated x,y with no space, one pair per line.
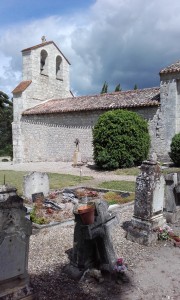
51,137
45,86
170,109
42,87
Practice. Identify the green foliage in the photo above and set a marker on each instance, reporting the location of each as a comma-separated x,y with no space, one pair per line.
35,218
126,186
118,88
120,139
104,88
175,149
135,87
6,118
4,101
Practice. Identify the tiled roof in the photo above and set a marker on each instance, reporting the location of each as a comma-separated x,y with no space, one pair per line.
171,69
44,44
21,86
124,99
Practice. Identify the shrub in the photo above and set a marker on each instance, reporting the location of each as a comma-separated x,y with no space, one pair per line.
175,149
120,139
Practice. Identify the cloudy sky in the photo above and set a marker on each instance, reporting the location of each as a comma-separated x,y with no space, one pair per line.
120,41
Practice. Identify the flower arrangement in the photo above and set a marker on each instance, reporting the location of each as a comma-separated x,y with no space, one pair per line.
120,267
166,233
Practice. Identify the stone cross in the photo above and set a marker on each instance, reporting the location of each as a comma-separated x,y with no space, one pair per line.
43,39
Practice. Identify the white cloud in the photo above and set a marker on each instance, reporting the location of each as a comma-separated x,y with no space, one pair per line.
120,41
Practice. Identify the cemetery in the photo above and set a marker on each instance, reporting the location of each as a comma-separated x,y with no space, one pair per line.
100,250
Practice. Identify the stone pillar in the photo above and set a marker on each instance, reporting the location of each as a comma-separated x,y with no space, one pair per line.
15,231
148,207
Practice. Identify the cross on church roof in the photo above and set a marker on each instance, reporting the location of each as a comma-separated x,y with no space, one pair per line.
43,39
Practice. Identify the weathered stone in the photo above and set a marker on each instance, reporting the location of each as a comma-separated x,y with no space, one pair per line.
148,206
15,230
172,197
77,158
170,202
35,182
93,245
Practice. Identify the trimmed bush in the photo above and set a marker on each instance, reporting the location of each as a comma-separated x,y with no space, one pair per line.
120,139
175,149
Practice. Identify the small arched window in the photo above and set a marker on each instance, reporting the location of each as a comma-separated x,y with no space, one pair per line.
59,68
44,63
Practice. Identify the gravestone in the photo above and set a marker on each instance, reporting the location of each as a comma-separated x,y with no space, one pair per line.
172,197
15,231
148,206
93,243
35,182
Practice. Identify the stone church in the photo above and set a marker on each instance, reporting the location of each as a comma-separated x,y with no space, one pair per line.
48,118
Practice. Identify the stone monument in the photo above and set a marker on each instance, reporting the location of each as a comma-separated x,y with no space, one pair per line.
172,197
35,182
148,206
77,155
93,244
15,231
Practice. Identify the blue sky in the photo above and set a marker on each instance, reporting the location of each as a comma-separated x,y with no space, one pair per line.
118,41
15,11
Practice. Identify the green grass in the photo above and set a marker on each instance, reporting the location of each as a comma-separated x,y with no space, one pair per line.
128,186
57,181
171,170
128,171
115,198
136,171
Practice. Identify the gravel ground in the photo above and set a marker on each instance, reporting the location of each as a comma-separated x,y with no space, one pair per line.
153,272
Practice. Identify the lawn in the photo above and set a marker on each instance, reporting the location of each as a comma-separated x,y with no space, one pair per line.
128,186
128,171
57,181
136,171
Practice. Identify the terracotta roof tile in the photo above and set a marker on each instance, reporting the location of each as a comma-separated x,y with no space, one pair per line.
44,44
123,99
21,86
171,69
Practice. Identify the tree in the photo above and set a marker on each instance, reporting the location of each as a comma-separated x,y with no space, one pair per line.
135,87
104,88
118,88
6,118
120,139
175,149
4,101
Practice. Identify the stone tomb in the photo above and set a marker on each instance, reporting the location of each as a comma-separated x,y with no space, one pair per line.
15,231
148,207
35,182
